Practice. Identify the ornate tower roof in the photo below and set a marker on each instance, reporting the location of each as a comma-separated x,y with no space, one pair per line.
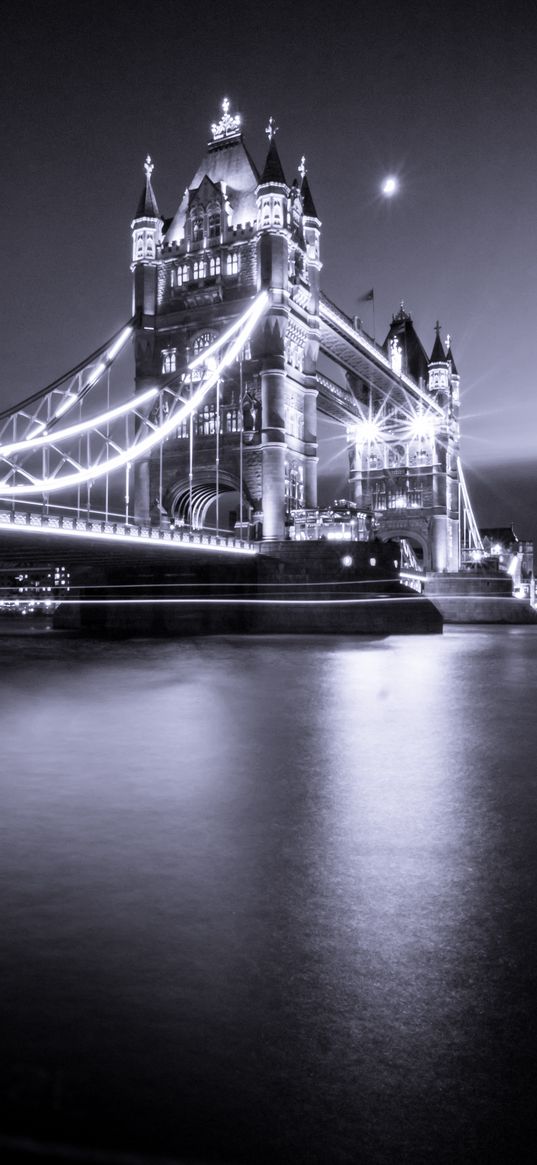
307,200
438,356
147,206
273,169
414,357
229,166
449,356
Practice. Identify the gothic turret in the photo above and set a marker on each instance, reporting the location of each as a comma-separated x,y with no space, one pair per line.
454,380
311,226
272,196
438,366
146,230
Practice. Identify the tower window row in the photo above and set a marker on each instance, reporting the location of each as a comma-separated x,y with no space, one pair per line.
204,422
205,225
203,269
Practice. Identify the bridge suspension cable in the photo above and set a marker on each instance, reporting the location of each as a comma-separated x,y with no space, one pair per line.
110,349
470,537
124,450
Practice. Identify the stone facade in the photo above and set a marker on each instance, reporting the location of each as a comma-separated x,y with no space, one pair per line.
237,232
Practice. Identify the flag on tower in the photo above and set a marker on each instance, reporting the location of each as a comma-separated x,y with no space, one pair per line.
368,297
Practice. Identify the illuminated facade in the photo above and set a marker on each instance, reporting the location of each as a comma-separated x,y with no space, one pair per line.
404,454
236,233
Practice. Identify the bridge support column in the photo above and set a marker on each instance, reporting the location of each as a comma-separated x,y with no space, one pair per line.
142,491
310,483
273,450
445,543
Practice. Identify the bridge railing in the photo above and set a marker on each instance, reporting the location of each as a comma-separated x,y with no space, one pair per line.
56,523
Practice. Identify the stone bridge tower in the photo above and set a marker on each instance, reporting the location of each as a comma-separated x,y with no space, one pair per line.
236,231
404,455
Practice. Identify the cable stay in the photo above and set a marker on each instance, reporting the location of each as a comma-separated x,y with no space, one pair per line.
109,346
99,445
470,537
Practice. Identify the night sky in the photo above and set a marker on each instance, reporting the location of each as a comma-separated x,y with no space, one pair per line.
442,95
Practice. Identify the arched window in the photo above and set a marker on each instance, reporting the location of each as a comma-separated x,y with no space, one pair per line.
214,265
233,264
169,360
202,341
294,486
185,274
197,228
214,224
140,247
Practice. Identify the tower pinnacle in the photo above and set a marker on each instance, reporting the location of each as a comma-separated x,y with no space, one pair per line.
229,126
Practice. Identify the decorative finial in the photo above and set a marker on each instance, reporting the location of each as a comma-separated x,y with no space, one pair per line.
448,341
148,167
403,306
228,125
437,327
302,168
272,129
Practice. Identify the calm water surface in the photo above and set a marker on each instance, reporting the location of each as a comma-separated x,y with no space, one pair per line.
270,900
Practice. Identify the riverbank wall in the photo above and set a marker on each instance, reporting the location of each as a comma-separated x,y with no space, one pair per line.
474,598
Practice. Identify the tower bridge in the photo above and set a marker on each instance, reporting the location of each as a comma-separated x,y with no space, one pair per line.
236,353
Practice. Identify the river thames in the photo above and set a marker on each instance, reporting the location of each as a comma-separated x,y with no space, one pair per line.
269,900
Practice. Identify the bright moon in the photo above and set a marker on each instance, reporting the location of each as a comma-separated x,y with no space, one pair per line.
389,186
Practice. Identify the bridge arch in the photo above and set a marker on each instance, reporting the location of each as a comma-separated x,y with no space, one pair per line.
415,532
202,495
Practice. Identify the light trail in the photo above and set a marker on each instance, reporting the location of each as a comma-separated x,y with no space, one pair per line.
48,485
38,442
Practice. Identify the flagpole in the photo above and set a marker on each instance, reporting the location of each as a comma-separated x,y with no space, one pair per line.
369,297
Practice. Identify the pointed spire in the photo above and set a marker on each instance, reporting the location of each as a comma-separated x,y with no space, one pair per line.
273,170
307,200
147,206
438,356
449,356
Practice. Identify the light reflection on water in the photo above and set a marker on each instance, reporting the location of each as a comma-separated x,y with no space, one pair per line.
271,900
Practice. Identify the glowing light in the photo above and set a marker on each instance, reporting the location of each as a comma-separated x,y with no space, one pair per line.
133,452
118,345
367,431
390,186
422,426
39,429
217,344
68,400
35,440
346,560
228,125
126,539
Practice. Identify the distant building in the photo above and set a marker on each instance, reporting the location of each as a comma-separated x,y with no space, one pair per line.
512,555
27,588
